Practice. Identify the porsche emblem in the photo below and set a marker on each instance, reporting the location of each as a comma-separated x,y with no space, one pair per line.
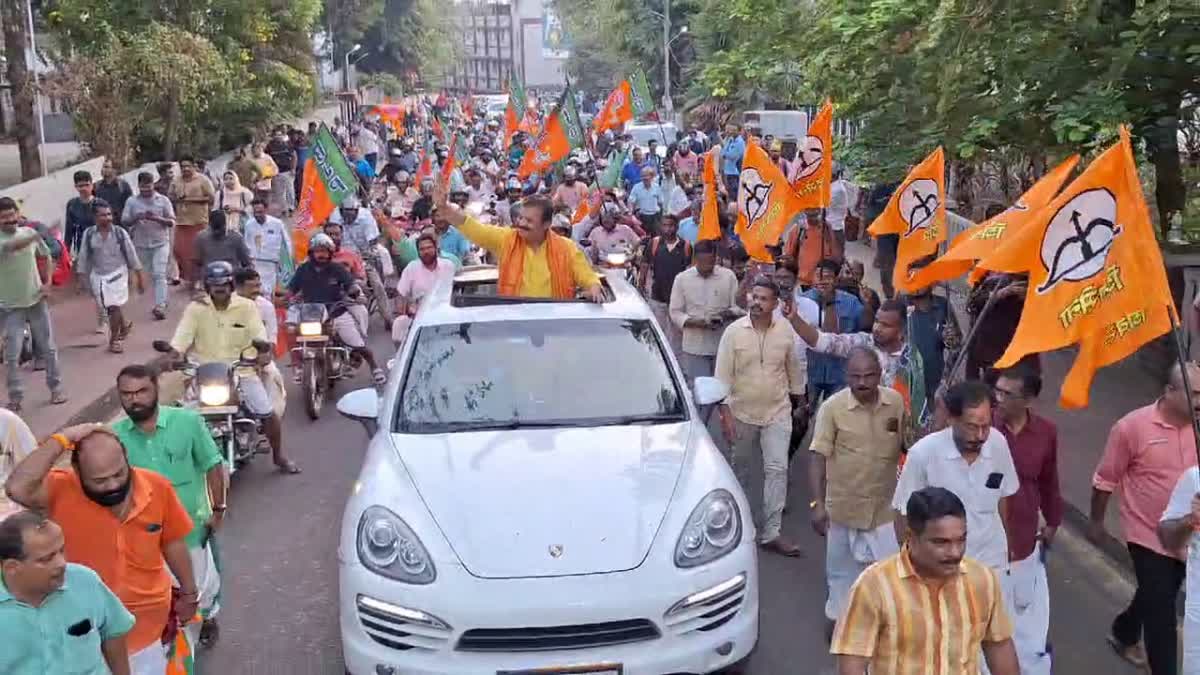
556,551
810,155
1079,237
919,204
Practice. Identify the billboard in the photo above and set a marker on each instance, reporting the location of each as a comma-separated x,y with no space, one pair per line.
554,37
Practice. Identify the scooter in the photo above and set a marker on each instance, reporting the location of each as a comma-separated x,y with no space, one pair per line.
211,389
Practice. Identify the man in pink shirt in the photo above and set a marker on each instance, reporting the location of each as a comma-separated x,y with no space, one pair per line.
1147,451
612,236
416,281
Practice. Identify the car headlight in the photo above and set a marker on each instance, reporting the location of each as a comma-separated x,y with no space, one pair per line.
310,328
389,547
214,394
713,530
616,259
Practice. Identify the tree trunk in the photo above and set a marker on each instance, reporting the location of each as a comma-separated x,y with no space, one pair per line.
15,20
1162,146
171,132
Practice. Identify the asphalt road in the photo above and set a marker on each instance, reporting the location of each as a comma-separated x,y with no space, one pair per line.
279,544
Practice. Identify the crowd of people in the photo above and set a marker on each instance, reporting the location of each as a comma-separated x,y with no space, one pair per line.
922,475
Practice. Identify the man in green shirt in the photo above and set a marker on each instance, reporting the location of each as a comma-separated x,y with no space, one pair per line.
55,616
176,443
23,289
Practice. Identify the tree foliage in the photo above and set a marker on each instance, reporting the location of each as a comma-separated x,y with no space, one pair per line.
415,39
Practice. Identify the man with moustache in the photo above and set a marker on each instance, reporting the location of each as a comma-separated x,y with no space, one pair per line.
55,616
756,359
857,441
886,627
125,523
175,443
416,281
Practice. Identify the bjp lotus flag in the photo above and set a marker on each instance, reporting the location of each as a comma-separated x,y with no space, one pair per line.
448,165
581,211
425,166
617,110
328,179
710,221
815,177
766,203
916,212
1096,275
552,145
982,239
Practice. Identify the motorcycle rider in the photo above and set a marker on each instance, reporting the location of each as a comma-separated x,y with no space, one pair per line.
611,236
416,281
221,326
319,280
352,261
360,233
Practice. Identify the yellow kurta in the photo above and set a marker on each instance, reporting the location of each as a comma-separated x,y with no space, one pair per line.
535,273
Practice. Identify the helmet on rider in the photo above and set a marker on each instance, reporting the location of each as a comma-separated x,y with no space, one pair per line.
321,242
349,209
218,273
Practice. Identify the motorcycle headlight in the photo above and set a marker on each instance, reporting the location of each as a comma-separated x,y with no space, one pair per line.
713,530
214,394
616,259
310,328
388,547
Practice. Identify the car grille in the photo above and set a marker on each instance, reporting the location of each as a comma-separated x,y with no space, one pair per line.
708,610
395,631
580,636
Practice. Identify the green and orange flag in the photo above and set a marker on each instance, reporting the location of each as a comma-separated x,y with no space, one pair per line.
328,179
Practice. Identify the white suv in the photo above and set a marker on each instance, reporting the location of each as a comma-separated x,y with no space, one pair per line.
542,496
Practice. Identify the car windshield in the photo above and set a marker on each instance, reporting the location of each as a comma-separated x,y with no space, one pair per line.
537,374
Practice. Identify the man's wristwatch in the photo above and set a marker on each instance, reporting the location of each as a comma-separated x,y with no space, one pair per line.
219,509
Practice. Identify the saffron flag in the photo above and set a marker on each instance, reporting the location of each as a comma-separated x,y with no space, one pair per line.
1096,274
766,203
328,179
710,221
515,112
437,128
916,212
552,144
639,94
815,175
617,110
978,241
448,165
425,167
581,211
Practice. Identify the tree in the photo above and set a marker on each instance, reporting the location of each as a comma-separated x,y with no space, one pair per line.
14,20
412,36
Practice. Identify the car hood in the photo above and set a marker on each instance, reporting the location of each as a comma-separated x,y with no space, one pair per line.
548,502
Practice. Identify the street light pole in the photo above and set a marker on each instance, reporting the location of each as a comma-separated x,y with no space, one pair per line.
346,68
668,105
37,86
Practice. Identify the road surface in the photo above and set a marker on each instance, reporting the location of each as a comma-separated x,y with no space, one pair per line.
279,546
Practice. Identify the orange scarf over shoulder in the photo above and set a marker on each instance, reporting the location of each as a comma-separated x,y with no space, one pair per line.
558,256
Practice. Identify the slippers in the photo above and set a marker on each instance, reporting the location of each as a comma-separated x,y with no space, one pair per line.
1132,654
57,398
288,467
116,347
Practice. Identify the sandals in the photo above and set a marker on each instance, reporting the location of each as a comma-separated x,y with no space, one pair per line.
57,398
117,346
1133,654
288,466
210,632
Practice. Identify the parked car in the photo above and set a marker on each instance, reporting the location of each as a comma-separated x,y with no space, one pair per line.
541,494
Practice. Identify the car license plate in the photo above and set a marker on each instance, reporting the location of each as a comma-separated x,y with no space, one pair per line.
598,669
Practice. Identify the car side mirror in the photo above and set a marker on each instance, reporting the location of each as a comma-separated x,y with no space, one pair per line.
708,391
362,406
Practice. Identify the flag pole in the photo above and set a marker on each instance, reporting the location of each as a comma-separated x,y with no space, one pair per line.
1181,351
952,375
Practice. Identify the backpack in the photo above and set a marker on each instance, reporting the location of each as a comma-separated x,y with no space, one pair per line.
122,240
687,248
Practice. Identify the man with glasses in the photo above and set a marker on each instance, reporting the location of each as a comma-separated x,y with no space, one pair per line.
1033,441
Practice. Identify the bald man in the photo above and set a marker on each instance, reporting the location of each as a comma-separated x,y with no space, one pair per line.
100,501
1147,451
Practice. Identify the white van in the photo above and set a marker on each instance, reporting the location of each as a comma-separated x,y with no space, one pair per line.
644,133
778,123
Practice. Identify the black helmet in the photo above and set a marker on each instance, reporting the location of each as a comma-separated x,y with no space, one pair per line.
218,273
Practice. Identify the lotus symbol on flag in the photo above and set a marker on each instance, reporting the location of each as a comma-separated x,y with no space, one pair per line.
810,155
754,196
1079,237
919,204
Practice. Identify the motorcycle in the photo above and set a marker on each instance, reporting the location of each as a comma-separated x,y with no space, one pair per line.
624,261
380,297
211,389
322,357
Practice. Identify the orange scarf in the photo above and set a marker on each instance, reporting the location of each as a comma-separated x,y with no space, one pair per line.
558,257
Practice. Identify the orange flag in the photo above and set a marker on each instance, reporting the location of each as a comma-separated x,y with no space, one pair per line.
916,212
448,166
710,221
1096,274
617,110
581,211
978,241
766,203
552,145
813,182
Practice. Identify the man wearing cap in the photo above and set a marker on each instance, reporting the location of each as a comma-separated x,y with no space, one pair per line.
572,191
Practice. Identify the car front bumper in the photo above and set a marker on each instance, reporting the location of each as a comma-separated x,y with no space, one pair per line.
416,630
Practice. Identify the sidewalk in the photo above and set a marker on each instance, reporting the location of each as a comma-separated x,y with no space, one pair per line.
1082,434
89,370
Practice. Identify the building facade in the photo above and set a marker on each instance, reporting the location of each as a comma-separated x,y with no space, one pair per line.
502,37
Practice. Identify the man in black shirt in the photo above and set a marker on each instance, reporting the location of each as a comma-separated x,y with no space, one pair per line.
112,188
320,281
663,258
79,211
283,185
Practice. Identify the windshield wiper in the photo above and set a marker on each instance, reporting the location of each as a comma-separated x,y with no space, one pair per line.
626,420
488,425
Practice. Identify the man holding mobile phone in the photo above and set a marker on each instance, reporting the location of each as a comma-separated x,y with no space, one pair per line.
703,302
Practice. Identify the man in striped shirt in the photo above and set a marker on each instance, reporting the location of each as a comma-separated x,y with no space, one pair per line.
927,610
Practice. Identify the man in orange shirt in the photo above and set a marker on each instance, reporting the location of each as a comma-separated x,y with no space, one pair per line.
122,522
